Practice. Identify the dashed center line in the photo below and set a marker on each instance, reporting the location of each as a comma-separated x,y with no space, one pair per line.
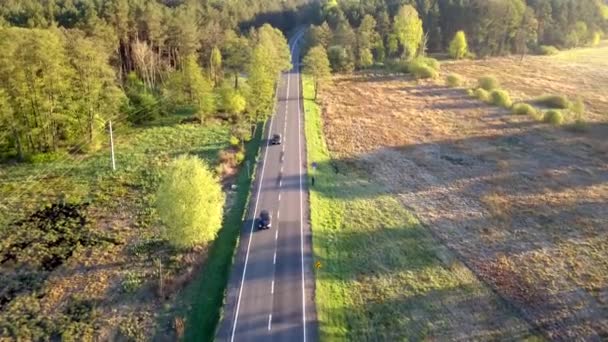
272,287
276,235
269,322
274,259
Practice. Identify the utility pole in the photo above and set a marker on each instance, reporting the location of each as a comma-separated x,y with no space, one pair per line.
112,148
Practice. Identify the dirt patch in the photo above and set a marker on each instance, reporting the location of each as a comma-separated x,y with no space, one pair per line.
523,204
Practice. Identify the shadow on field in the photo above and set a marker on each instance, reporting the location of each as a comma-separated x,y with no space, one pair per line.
518,197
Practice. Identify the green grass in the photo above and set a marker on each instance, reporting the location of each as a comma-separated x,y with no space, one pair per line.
141,154
383,277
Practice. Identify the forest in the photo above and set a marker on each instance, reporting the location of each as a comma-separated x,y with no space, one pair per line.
67,67
361,33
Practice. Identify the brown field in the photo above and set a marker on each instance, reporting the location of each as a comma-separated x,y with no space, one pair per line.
523,204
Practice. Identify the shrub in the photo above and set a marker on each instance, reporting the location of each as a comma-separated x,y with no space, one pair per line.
458,47
190,203
471,92
454,80
547,50
482,95
131,282
240,156
234,141
420,70
488,83
523,109
553,101
578,107
501,98
553,117
431,62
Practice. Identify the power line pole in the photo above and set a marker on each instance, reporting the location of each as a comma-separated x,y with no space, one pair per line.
112,147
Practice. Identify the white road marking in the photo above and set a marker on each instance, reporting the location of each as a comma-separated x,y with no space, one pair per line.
255,210
278,214
269,322
279,197
301,210
281,183
272,287
276,234
238,304
274,259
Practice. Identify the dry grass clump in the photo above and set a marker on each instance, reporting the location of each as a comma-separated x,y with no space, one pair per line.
501,98
554,117
553,101
547,50
488,83
454,80
482,95
524,109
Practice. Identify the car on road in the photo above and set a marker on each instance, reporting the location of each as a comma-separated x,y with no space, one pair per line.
276,139
264,220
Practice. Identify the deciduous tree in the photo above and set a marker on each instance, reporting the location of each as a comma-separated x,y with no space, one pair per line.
190,203
408,29
316,63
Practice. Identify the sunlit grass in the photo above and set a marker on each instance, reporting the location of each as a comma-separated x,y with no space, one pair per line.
383,275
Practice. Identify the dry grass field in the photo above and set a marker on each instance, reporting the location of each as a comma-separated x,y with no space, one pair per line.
524,205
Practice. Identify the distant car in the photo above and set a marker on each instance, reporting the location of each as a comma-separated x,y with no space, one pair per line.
264,220
276,139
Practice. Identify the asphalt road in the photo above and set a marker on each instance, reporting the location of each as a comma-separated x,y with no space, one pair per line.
270,295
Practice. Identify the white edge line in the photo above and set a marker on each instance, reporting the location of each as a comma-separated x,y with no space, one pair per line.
238,303
255,210
301,206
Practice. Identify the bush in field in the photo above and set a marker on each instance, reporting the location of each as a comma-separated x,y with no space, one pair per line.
423,67
190,203
431,62
488,83
420,70
482,95
458,47
234,141
553,101
547,50
501,98
553,117
239,156
454,80
524,109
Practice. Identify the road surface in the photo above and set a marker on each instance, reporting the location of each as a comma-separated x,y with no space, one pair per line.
270,295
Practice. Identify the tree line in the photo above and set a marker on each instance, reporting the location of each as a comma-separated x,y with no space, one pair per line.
67,66
358,34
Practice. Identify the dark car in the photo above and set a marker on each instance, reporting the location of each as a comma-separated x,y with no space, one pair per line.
264,220
276,139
